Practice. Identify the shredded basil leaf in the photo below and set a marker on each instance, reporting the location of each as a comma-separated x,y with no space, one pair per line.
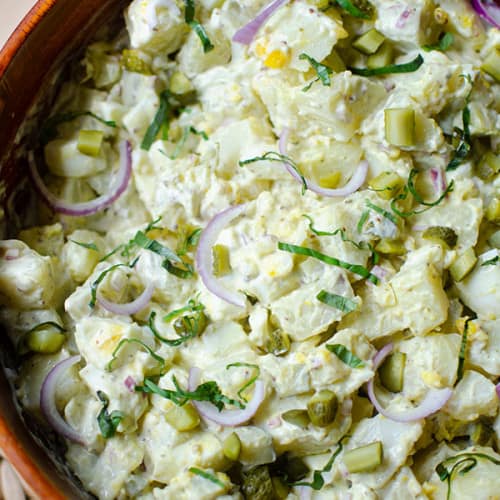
114,355
464,463
184,272
362,220
141,240
274,156
185,134
108,422
381,211
88,246
208,391
190,242
196,26
206,475
359,8
344,304
49,128
318,481
463,349
192,322
309,252
160,120
345,355
408,67
249,382
192,306
491,262
443,44
322,71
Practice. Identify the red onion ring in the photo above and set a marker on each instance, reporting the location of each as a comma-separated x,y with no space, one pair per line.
352,186
226,418
489,10
438,180
247,33
434,400
48,401
130,384
379,272
130,307
204,255
118,186
497,388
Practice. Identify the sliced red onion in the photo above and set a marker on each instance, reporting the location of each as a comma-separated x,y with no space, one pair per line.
353,185
12,254
117,188
489,10
247,33
226,418
130,307
48,401
438,180
497,388
434,400
419,227
379,272
204,255
130,384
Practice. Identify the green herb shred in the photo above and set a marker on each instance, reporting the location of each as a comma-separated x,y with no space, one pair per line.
345,355
338,301
108,422
193,328
322,71
444,43
189,242
362,220
408,67
189,17
185,134
88,246
463,349
250,382
206,475
382,211
357,8
160,120
491,262
309,252
114,355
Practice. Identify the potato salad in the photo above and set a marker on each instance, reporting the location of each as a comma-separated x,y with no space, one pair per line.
264,261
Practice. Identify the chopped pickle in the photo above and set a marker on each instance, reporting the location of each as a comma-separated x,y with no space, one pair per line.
187,325
281,489
369,42
481,434
257,484
300,418
494,239
383,57
90,142
463,265
232,446
491,64
322,408
180,84
387,185
391,372
278,342
221,260
390,247
132,61
183,418
330,181
488,166
335,62
45,340
492,212
442,235
400,126
294,468
365,458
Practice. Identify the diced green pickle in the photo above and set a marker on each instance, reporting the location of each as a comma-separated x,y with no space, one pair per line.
278,342
300,418
481,434
280,488
232,446
463,265
369,42
335,62
186,325
387,185
257,484
221,260
90,142
390,247
488,166
180,84
391,372
364,459
491,64
132,61
442,235
322,408
492,212
295,468
183,418
400,126
383,57
45,340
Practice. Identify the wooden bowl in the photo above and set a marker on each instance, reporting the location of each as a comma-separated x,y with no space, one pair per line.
53,32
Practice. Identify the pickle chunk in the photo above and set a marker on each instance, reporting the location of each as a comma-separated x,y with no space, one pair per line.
391,372
300,418
257,484
369,42
90,142
45,339
442,235
322,408
364,459
232,446
400,126
463,265
183,418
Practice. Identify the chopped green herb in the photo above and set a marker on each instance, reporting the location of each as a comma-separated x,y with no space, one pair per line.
274,156
159,359
108,422
193,329
206,475
464,463
491,262
362,220
357,8
345,355
185,134
49,128
463,349
190,242
160,120
88,246
208,391
309,252
408,67
192,306
196,26
322,71
382,211
249,382
445,42
184,272
141,240
342,303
